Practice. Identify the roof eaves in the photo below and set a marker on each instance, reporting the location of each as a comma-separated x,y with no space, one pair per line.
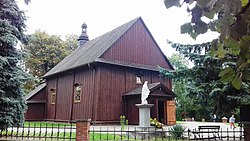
127,64
68,70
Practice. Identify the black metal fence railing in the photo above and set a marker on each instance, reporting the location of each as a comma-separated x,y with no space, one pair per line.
137,133
40,131
53,131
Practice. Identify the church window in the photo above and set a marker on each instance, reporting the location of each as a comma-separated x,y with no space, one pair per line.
53,95
138,80
78,92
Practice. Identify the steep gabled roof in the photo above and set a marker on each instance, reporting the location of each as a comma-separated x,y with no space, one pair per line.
91,50
152,87
35,91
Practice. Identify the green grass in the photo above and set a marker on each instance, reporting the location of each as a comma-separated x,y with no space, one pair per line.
180,122
25,135
44,124
67,135
101,137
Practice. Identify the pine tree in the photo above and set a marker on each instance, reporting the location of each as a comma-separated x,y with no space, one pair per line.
203,83
12,27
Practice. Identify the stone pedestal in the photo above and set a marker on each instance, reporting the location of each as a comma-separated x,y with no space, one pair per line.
144,130
144,114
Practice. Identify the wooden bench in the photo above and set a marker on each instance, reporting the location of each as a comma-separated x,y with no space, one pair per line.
207,132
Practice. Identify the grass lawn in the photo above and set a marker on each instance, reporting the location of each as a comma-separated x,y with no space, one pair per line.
46,124
67,136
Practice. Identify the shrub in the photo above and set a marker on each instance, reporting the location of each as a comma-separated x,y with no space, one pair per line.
154,122
123,121
177,131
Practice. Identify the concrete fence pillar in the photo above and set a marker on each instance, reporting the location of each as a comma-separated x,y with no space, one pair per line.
82,130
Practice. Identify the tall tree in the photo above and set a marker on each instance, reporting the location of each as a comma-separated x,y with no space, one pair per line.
12,27
203,82
230,18
44,51
184,102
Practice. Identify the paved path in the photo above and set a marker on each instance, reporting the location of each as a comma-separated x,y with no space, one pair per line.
194,125
225,130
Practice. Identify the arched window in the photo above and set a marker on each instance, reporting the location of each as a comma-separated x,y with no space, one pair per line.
53,95
78,92
138,79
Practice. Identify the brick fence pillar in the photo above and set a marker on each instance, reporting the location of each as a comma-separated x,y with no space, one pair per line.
247,133
82,130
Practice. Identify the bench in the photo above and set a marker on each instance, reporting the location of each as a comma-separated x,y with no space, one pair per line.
206,132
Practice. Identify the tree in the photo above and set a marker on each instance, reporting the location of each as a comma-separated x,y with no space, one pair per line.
232,22
203,83
44,51
184,104
71,43
12,27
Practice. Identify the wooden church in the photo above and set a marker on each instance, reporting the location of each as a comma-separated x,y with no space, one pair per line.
102,80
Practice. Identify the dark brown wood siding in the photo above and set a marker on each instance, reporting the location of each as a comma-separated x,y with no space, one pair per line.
50,108
114,82
83,109
132,112
64,97
137,46
102,88
36,106
35,112
40,96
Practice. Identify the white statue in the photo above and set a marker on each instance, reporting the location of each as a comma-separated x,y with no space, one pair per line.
144,93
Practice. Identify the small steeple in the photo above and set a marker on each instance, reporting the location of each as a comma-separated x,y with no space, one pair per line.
83,38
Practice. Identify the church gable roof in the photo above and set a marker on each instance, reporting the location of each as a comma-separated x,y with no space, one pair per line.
138,48
91,50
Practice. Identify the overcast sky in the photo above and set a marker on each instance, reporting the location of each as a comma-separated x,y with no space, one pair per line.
64,17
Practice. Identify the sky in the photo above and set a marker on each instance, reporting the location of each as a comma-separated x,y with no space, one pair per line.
62,17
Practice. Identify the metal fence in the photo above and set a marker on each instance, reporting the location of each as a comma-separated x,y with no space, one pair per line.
41,131
49,131
136,133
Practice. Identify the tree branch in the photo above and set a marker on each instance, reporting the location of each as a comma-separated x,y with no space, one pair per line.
243,10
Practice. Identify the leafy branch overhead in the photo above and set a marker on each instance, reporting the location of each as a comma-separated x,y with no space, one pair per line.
231,19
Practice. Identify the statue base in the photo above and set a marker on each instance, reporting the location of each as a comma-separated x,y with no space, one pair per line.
144,130
144,114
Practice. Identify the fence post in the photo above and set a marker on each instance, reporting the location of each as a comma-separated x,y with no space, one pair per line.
246,133
82,130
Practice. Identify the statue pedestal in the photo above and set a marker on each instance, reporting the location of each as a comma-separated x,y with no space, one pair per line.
144,114
144,130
